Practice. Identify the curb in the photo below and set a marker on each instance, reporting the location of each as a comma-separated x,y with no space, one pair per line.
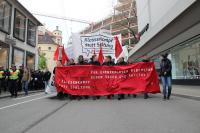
19,94
188,96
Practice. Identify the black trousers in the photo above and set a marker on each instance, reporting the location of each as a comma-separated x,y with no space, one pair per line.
1,84
13,86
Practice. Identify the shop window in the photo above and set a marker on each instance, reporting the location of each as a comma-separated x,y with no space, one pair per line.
5,16
18,57
19,25
31,34
4,57
186,60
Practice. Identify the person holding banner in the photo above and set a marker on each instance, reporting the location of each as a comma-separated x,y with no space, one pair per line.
145,60
81,61
108,62
121,62
94,61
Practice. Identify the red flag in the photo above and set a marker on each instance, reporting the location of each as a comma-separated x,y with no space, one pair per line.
101,58
64,56
56,54
118,47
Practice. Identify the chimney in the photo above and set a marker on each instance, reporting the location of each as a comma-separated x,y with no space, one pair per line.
57,27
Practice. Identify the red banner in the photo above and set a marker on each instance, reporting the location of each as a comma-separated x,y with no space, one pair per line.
106,80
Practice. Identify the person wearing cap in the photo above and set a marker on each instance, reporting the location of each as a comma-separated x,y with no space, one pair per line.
2,77
13,80
166,76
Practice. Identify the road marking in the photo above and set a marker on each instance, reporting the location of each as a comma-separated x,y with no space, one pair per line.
28,96
16,104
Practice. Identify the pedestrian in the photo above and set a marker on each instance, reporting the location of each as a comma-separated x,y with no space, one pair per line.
94,61
25,80
166,76
2,77
13,80
121,62
21,71
108,62
146,59
46,78
81,61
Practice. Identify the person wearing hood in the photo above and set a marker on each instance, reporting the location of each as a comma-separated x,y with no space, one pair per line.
166,76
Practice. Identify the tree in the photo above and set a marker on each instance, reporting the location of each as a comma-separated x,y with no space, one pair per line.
42,61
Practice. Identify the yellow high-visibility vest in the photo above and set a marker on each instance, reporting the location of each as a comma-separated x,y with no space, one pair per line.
14,75
1,74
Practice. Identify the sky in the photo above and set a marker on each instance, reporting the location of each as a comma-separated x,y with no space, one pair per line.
90,10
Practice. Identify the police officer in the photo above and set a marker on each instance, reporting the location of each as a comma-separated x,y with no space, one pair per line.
13,81
2,77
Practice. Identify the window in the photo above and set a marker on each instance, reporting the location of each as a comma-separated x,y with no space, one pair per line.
4,56
31,35
5,16
186,60
18,57
19,26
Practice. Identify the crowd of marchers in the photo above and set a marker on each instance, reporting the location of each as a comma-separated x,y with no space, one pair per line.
165,74
15,80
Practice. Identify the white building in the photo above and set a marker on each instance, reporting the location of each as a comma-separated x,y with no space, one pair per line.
174,27
18,35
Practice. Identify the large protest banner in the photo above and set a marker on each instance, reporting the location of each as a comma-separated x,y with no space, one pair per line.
105,80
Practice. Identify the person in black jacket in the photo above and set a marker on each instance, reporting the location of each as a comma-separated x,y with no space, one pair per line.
166,76
108,62
146,59
46,78
94,61
121,62
81,61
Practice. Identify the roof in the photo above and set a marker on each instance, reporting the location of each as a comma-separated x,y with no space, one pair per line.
46,39
28,13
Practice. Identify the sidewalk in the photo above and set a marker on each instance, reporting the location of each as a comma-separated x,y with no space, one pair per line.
7,94
192,92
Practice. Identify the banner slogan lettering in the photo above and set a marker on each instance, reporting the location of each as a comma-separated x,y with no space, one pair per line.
105,80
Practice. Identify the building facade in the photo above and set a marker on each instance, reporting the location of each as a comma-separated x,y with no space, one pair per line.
47,43
122,19
18,35
174,28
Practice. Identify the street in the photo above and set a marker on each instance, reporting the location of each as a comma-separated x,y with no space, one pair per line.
40,113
